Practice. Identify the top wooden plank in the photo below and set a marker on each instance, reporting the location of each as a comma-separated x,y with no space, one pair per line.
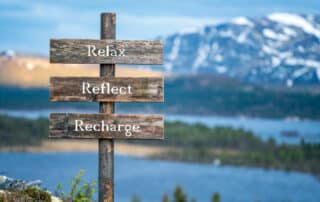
87,51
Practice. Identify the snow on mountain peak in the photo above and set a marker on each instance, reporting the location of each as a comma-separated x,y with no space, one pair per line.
242,21
189,30
276,48
175,49
272,35
295,20
202,55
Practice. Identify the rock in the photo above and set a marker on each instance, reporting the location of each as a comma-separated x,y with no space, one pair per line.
21,190
15,185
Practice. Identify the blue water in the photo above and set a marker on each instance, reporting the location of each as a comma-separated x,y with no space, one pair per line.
309,130
150,179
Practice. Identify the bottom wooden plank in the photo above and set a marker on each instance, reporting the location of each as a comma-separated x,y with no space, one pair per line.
106,126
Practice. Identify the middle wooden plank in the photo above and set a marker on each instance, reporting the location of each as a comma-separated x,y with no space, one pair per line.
89,51
106,89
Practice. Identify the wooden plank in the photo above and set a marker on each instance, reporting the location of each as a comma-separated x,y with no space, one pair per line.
88,51
106,126
106,89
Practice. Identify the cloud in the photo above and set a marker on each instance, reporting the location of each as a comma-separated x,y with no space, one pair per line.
63,19
45,12
56,13
181,21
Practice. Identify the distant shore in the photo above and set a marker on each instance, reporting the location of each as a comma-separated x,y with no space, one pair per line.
86,146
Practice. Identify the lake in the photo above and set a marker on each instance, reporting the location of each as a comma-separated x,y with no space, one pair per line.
309,130
149,179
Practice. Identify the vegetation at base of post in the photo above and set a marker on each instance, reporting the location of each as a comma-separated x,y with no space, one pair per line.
81,190
192,143
28,194
179,196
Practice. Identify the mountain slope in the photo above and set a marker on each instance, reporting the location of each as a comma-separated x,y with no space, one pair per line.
279,48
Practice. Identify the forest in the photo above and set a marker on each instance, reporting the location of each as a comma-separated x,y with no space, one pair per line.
192,143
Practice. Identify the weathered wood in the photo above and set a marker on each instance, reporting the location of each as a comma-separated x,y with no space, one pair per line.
106,52
149,89
106,146
100,126
80,51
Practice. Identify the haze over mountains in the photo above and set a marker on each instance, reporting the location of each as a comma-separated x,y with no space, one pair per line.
35,71
278,48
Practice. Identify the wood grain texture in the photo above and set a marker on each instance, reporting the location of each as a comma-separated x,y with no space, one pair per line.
106,146
62,125
75,51
148,89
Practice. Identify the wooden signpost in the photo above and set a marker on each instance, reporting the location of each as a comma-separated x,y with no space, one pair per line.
106,89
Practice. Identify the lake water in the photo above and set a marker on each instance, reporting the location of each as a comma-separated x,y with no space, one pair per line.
309,130
150,179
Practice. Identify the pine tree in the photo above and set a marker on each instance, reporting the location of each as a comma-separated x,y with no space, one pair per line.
179,195
136,198
165,197
216,197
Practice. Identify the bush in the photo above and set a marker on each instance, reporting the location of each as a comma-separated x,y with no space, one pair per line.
81,190
216,197
30,194
179,195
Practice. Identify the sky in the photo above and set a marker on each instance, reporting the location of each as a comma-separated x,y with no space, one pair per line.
27,25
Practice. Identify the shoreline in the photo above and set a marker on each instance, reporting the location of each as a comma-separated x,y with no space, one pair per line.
86,146
131,150
13,112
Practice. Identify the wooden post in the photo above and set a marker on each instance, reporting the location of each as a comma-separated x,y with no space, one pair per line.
88,51
106,147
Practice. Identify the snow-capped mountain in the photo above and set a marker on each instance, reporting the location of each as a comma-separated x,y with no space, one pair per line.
279,48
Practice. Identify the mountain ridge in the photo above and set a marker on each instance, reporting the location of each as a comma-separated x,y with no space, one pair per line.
282,48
